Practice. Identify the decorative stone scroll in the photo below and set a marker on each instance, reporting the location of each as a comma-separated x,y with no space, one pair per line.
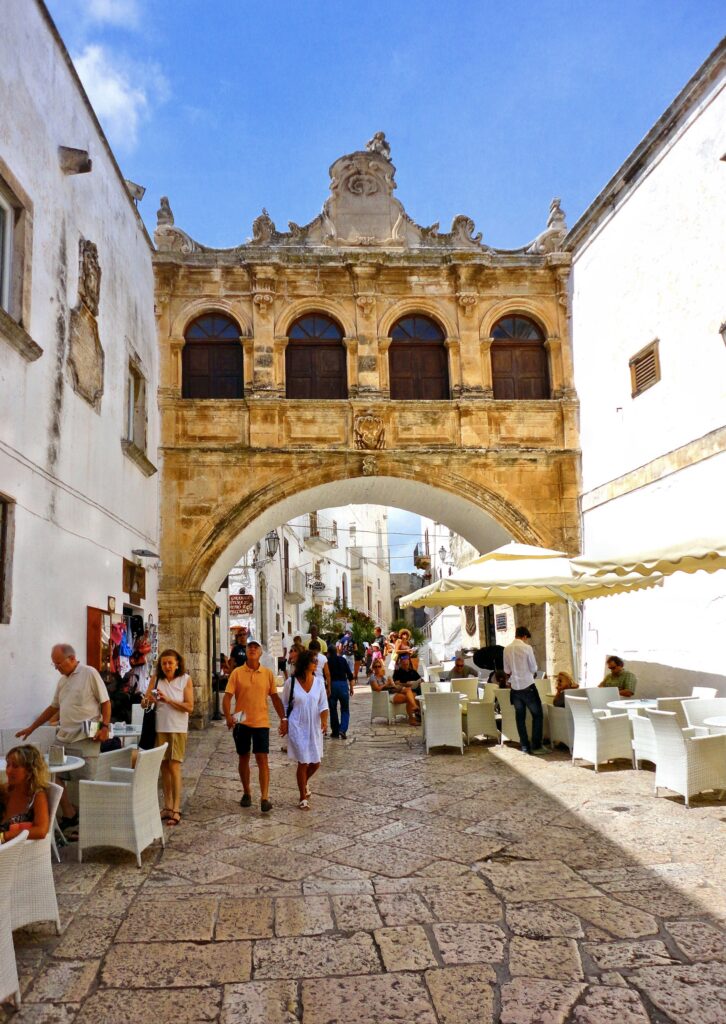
85,352
369,466
551,239
369,431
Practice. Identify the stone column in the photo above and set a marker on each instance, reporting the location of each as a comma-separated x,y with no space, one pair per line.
383,346
559,654
453,347
367,371
533,616
184,624
351,362
173,375
264,384
485,349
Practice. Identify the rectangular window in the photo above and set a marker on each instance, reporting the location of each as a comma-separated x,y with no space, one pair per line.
6,251
369,599
379,611
7,533
644,369
136,407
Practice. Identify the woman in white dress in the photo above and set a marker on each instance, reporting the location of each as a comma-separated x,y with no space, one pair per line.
306,702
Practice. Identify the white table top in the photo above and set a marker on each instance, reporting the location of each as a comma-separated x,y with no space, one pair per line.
717,721
120,729
633,702
71,764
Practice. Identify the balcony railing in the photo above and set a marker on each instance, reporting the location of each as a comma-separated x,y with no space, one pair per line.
320,534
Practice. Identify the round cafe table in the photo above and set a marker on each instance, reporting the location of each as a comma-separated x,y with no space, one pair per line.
717,723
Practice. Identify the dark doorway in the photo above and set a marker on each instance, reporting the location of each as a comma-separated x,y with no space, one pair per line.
418,361
315,359
519,360
212,361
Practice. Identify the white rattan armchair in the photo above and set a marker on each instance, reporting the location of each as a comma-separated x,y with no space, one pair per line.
560,725
381,706
644,748
124,812
121,758
137,716
469,687
698,710
10,854
598,738
686,764
600,696
480,720
704,692
508,718
444,721
34,896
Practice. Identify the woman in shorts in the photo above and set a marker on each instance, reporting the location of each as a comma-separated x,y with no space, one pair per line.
172,694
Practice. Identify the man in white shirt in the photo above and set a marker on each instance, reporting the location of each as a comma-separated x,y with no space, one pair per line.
520,666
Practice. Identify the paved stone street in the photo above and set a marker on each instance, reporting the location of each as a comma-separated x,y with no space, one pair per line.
493,887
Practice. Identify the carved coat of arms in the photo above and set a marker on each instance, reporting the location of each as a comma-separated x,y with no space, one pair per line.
369,431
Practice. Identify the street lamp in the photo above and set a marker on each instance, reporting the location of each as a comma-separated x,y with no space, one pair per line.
272,543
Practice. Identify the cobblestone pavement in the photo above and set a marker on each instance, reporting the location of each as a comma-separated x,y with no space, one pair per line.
458,890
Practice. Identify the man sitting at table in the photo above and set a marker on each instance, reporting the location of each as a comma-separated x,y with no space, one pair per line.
619,676
405,674
80,697
461,670
400,694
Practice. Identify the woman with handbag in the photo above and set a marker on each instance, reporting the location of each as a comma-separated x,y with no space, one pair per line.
171,694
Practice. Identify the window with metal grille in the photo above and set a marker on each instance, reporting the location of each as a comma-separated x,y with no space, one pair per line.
644,369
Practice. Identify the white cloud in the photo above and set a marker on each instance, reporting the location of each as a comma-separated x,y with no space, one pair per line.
124,13
121,92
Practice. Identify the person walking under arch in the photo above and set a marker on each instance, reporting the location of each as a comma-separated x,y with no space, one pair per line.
306,706
341,690
250,685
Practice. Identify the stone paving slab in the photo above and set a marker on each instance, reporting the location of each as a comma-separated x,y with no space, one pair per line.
426,890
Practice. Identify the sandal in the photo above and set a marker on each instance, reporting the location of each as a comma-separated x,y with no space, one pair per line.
174,820
166,813
304,805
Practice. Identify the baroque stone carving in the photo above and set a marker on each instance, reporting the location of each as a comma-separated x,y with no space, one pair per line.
169,238
550,240
379,144
85,352
369,431
369,466
366,304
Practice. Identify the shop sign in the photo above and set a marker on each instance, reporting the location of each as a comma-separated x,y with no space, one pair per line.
241,604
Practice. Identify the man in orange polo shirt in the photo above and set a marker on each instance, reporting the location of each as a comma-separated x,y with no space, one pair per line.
251,685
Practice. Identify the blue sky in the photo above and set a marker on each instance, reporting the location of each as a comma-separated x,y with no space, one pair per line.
491,108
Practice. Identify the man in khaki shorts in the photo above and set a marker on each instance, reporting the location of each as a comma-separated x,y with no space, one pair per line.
250,685
80,696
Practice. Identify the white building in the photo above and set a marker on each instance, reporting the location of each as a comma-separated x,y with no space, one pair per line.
648,312
78,373
336,556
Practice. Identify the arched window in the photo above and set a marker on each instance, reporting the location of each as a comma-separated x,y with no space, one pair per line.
519,359
212,362
315,363
417,360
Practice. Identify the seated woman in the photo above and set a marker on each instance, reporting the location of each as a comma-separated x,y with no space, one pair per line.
563,681
401,694
23,802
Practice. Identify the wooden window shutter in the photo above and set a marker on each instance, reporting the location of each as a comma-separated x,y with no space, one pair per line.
644,369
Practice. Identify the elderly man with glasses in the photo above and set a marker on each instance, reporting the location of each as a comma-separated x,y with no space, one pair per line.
80,698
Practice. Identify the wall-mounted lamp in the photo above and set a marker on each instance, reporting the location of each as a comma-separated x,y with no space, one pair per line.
145,553
722,332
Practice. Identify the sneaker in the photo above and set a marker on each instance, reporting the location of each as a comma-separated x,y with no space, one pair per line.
246,801
335,735
525,750
265,806
344,735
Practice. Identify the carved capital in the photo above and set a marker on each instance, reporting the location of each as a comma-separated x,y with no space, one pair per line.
366,304
384,344
453,344
467,301
351,344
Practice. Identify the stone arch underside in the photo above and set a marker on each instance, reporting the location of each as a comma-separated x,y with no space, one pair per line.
483,518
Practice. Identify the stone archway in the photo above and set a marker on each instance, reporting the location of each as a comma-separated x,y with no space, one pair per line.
213,512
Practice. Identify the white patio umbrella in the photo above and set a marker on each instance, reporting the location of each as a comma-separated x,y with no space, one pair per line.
697,553
523,574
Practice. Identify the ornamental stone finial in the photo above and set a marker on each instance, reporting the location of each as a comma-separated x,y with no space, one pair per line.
379,144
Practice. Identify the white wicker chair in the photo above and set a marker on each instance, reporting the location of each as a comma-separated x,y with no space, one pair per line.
34,896
444,721
560,724
675,704
508,718
381,706
600,696
137,716
644,747
124,812
10,854
428,686
469,687
490,692
480,720
687,764
598,738
112,759
43,737
697,710
704,692
544,688
444,686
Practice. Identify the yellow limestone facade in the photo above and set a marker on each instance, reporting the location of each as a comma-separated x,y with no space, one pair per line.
232,469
